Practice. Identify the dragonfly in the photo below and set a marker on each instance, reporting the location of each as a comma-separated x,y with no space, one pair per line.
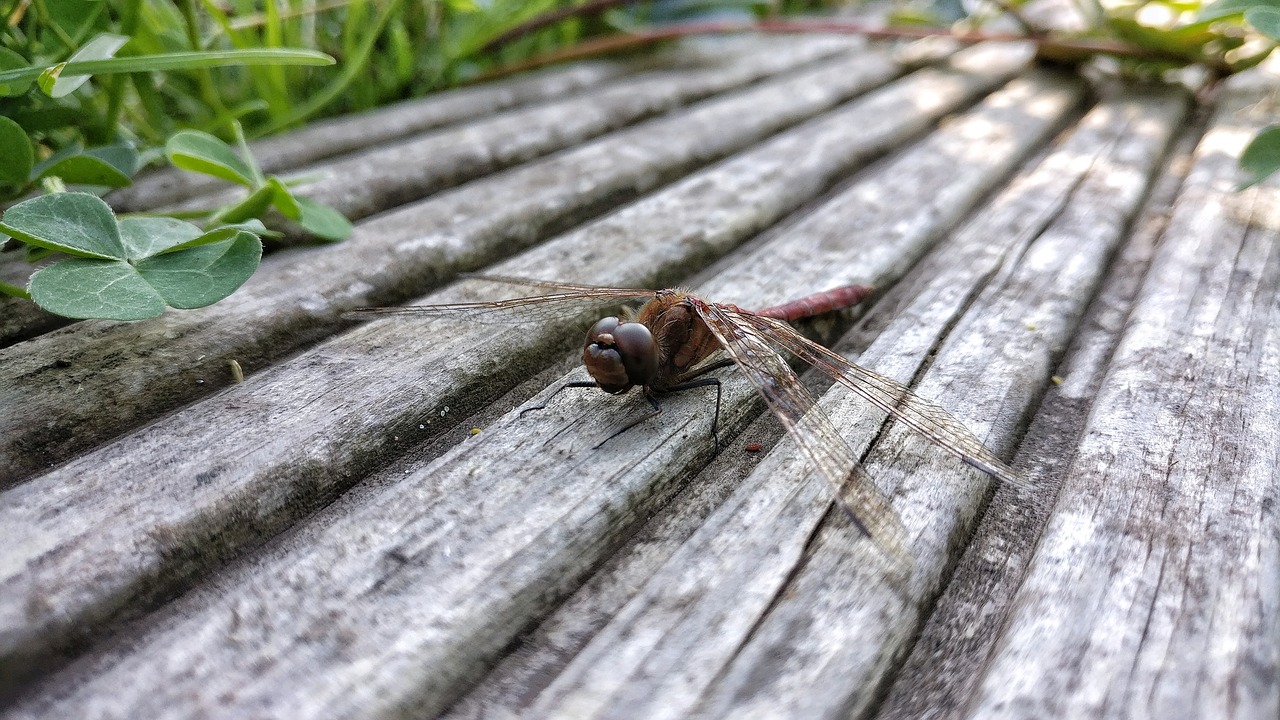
676,338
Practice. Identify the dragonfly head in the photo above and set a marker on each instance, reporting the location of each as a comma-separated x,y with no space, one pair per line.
620,354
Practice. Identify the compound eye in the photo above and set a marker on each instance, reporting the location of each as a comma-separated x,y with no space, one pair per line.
619,355
602,358
604,326
639,352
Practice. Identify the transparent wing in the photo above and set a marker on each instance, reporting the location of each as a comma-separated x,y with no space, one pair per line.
810,428
562,300
930,420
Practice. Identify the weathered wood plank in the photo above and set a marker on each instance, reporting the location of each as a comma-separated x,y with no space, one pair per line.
369,182
742,62
948,661
70,390
465,552
21,320
770,612
348,133
541,653
1155,588
755,189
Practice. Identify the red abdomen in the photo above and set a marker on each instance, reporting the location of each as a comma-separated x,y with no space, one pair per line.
819,303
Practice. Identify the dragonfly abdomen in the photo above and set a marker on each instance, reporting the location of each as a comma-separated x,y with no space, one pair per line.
818,303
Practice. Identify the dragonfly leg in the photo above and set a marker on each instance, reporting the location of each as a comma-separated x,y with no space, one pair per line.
726,362
704,382
688,382
576,384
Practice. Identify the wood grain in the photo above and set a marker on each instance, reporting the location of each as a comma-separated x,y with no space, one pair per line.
70,390
327,539
771,612
350,133
950,657
1155,588
400,172
498,528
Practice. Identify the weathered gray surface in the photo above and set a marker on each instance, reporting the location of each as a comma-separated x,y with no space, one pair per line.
1155,587
341,135
298,296
949,658
384,387
477,521
723,609
392,174
289,547
20,320
403,162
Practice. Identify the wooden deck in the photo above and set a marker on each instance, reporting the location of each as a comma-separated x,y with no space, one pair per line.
1066,268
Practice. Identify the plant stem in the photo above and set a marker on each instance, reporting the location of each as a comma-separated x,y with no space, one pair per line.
354,67
115,85
204,77
245,154
42,13
14,291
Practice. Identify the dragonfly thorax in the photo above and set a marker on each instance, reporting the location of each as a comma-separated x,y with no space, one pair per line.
620,354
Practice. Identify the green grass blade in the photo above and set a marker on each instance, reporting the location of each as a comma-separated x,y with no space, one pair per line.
175,61
354,67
